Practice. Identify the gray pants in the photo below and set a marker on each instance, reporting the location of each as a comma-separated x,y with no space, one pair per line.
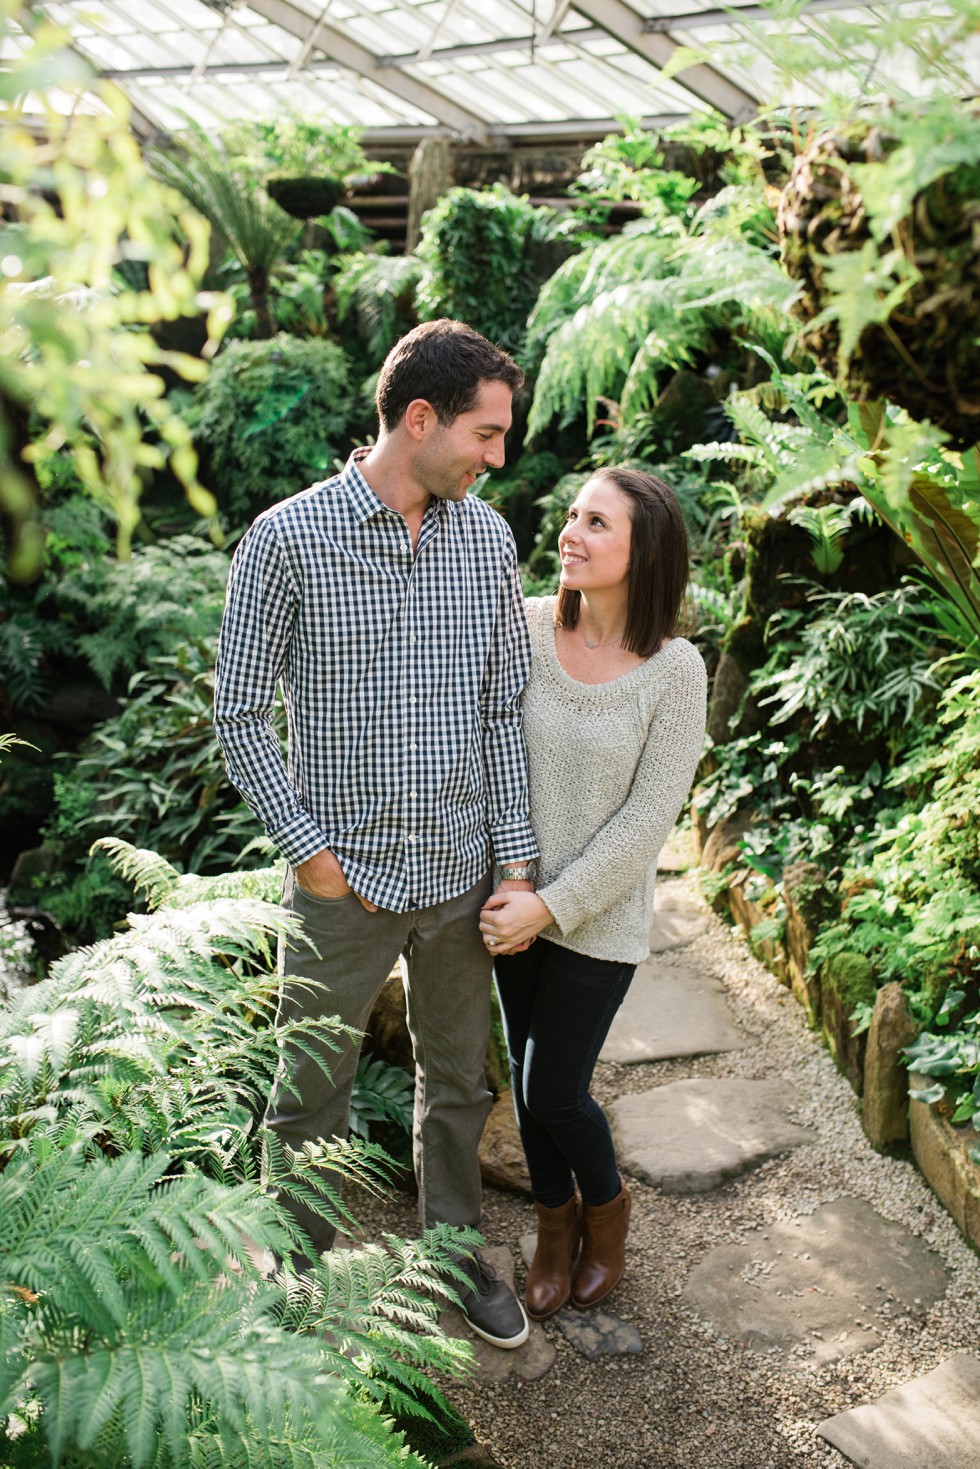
447,989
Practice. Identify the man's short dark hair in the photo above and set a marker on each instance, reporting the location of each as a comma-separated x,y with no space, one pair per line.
443,362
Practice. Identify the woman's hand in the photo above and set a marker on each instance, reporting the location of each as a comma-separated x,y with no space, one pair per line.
509,921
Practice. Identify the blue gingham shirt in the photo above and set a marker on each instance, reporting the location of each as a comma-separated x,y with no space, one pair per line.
402,677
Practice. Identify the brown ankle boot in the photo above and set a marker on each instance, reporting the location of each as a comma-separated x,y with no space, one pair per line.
603,1258
549,1277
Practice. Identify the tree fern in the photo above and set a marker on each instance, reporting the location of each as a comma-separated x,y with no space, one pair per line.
618,317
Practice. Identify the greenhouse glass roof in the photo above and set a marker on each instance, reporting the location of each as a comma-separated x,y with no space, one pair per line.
480,70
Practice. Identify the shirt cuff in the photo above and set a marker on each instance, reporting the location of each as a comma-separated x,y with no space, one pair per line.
299,839
513,842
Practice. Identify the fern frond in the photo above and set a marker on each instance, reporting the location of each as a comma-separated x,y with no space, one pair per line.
147,871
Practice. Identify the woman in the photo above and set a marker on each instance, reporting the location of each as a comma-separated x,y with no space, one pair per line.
614,721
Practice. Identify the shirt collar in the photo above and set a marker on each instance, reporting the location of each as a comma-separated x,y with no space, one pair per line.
365,502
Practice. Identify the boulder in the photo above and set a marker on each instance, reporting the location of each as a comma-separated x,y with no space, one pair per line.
846,981
942,1152
886,1078
502,1161
810,905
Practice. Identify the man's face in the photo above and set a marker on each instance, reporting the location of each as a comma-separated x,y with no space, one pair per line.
449,458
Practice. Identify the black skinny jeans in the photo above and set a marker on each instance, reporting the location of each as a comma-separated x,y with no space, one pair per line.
557,1009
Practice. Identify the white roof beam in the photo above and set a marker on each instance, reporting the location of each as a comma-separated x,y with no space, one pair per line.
622,22
350,53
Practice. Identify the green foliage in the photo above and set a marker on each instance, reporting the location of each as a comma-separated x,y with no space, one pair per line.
291,144
928,494
953,1056
224,188
849,659
477,266
297,300
617,320
271,420
913,900
629,165
79,366
378,292
382,1093
154,775
135,1323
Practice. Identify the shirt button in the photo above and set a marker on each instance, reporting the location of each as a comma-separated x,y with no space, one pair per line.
412,795
412,838
413,639
412,699
413,747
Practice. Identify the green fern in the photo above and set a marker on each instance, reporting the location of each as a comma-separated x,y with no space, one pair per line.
619,317
379,291
135,1326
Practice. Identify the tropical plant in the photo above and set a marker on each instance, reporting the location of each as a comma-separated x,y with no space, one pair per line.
846,658
382,1093
289,144
137,1325
297,305
112,615
79,366
271,419
617,320
378,291
153,774
477,250
230,195
953,1055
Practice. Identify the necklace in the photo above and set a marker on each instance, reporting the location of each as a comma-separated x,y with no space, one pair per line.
607,644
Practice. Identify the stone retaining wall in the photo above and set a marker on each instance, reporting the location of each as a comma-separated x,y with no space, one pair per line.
829,995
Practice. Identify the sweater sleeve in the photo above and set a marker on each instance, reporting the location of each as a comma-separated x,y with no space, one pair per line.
624,848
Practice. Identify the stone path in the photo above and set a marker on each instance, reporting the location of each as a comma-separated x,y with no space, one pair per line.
792,1298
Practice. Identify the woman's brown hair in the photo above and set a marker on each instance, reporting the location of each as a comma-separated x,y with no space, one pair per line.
659,566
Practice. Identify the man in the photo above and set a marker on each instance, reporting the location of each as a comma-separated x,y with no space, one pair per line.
387,603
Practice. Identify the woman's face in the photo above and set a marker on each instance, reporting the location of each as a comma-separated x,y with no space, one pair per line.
595,541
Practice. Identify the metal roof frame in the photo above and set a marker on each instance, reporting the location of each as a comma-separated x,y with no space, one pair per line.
480,71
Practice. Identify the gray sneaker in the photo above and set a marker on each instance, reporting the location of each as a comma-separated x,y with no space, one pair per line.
489,1305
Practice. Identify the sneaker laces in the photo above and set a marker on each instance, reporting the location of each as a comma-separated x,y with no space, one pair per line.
481,1274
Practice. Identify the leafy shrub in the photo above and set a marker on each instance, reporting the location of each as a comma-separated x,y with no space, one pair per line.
477,261
271,420
154,776
135,1323
912,906
850,659
378,293
125,613
618,320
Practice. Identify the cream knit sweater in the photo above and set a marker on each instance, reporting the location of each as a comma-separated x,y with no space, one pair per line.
610,766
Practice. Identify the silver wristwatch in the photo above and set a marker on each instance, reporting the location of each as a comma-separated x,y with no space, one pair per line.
525,871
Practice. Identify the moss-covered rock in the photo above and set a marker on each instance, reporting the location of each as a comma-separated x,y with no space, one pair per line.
926,355
846,981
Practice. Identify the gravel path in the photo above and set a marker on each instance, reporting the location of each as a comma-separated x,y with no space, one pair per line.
693,1400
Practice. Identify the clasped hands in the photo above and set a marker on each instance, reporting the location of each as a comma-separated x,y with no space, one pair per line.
512,918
